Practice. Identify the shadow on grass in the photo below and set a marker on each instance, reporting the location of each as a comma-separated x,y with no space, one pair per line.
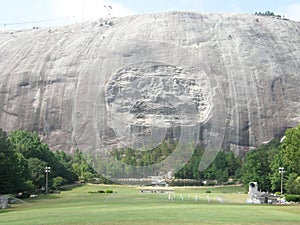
71,187
43,197
2,211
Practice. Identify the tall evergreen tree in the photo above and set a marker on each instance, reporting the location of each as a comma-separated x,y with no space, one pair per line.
8,166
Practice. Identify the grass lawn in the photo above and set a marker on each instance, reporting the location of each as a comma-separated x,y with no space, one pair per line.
127,206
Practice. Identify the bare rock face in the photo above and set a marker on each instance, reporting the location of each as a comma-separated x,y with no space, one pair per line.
229,81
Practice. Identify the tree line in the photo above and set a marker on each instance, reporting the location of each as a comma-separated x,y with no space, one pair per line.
268,14
262,164
23,158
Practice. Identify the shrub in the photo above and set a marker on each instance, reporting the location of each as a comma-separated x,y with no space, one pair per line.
99,191
28,186
109,191
58,181
292,198
208,191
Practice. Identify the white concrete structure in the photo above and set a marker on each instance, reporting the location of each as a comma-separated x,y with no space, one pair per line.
4,202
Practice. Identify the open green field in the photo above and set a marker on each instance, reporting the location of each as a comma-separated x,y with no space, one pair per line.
128,206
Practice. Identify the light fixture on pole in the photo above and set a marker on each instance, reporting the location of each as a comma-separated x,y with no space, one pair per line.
281,170
47,170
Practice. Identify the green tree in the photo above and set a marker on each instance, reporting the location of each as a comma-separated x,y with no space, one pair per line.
226,165
220,168
288,157
291,150
293,184
275,176
222,176
29,145
8,166
257,163
233,164
36,168
82,168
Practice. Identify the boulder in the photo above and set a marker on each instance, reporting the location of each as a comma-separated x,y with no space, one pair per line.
227,81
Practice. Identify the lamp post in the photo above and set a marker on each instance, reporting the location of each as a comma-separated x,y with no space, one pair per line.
47,170
281,170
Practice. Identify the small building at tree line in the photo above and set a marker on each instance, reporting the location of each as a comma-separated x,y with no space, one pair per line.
258,197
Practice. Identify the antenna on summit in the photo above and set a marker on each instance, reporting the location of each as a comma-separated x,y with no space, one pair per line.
108,10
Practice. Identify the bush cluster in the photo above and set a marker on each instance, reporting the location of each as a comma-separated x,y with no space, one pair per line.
292,198
101,192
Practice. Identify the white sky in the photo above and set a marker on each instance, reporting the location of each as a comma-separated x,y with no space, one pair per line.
17,14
